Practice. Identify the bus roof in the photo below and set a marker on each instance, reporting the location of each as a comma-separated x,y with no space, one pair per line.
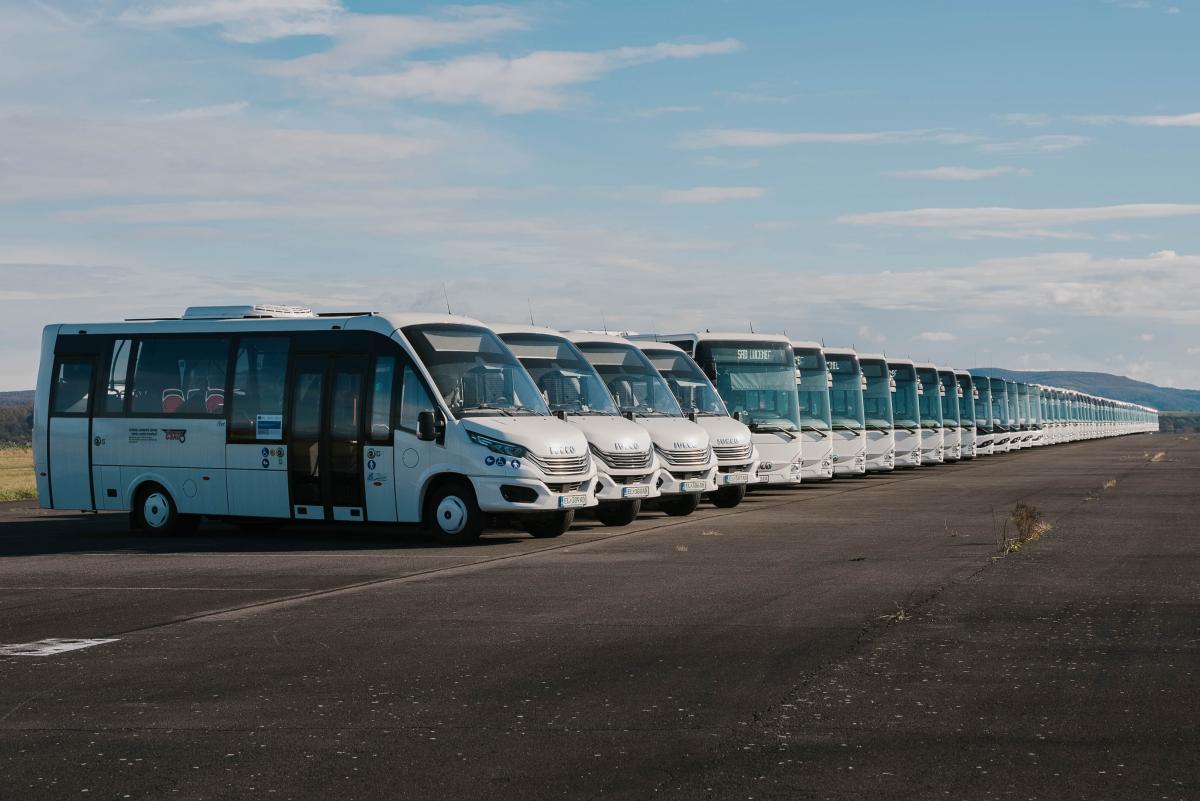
874,357
840,352
806,344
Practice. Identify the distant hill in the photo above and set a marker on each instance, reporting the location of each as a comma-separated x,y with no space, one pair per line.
1107,385
22,397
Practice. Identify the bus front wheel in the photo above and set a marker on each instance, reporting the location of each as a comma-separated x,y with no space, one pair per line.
454,515
154,511
618,513
728,497
680,505
549,525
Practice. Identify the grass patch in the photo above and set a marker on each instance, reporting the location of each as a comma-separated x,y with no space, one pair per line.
899,616
17,481
1023,526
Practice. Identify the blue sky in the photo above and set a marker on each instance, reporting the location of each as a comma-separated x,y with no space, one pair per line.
978,183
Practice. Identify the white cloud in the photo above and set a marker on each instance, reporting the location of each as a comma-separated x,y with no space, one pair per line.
244,21
661,110
1020,218
712,194
1028,120
757,137
958,173
1018,233
532,82
936,336
1191,120
1047,143
1146,337
207,112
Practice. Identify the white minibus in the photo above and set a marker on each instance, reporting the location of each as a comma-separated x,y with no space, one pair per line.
755,374
906,412
846,411
277,413
932,433
877,412
626,465
687,464
732,441
812,390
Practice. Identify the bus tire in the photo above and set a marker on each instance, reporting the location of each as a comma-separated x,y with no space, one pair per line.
154,512
727,497
680,505
618,513
453,514
551,524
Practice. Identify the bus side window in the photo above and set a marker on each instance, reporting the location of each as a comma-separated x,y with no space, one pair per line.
414,399
72,387
178,376
118,372
259,376
381,399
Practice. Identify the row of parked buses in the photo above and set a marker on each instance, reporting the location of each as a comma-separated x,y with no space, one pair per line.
259,414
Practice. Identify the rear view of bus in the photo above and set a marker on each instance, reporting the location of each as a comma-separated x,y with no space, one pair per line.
932,437
812,387
951,427
846,411
906,412
877,413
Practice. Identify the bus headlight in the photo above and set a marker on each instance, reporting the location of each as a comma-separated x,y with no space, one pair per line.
496,445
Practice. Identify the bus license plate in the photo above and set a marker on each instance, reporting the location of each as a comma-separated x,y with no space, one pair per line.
572,500
635,492
691,486
737,478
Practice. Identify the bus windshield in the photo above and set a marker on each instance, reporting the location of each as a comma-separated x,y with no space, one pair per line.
949,398
983,404
877,397
634,383
564,376
846,394
812,385
475,373
966,400
905,411
999,395
931,397
688,382
757,379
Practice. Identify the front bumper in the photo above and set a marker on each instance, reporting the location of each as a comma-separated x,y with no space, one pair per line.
617,487
881,462
779,473
687,482
547,498
855,465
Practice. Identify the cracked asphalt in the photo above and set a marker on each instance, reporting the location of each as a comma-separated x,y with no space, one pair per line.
853,639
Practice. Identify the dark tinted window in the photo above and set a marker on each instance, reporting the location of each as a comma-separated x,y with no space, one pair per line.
381,398
259,371
180,376
72,387
118,371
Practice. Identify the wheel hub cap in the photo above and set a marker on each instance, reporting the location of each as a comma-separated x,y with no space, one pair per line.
156,510
452,514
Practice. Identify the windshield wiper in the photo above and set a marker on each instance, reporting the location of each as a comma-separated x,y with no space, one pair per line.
487,407
879,428
817,431
772,430
908,429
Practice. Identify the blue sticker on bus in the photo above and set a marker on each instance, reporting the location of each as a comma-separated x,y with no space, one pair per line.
266,462
371,464
515,464
489,460
266,452
499,461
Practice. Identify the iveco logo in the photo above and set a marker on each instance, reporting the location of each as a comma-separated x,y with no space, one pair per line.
683,445
625,446
561,450
728,441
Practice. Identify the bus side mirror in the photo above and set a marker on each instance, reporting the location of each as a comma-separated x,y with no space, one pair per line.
737,415
427,426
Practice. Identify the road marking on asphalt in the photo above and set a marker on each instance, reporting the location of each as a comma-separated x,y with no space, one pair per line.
49,647
14,588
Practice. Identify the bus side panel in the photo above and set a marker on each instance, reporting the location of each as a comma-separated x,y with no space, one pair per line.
70,479
258,480
41,415
186,456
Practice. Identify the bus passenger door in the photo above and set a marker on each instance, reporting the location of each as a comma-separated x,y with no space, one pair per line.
70,433
326,437
414,458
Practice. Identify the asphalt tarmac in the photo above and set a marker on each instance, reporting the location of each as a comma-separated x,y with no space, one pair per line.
855,639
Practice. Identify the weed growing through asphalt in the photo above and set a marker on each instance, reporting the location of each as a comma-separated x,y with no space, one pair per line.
1158,457
1112,482
899,616
1025,525
681,548
710,533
